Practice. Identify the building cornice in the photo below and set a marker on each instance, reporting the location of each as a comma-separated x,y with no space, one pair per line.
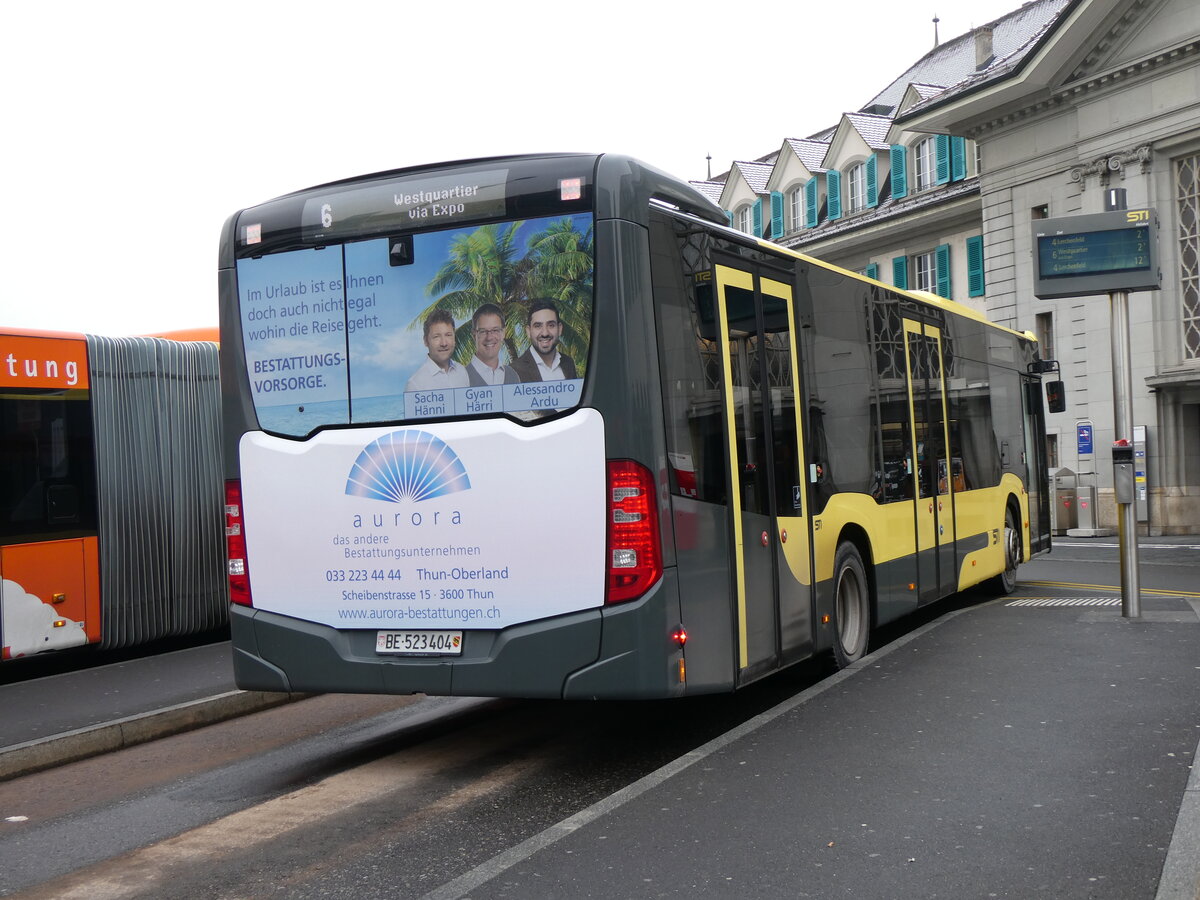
1149,66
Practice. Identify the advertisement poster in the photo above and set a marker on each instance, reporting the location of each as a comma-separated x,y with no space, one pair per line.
458,322
471,524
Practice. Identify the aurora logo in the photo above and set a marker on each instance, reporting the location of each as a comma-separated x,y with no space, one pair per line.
407,465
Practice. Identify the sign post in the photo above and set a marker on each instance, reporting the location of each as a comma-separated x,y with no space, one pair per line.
1113,252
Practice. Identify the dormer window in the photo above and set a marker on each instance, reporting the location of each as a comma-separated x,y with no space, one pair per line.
744,219
925,164
856,188
796,208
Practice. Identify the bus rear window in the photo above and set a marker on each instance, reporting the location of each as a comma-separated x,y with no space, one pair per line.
470,321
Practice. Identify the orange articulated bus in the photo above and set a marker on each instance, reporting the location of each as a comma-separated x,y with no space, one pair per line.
111,529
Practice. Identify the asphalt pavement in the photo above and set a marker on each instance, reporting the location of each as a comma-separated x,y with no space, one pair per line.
1037,745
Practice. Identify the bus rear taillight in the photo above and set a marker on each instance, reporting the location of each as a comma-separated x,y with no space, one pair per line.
235,545
634,550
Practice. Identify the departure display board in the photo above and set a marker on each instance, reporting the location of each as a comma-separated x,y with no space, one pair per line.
1096,254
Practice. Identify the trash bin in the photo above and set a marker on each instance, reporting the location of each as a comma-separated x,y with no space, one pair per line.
1064,511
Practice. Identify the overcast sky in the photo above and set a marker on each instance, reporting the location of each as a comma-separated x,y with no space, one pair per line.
133,130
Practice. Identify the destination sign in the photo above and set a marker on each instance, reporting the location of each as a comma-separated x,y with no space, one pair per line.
1096,254
406,204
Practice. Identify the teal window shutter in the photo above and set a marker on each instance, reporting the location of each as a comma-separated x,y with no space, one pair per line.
776,215
943,159
757,217
729,217
833,185
900,272
942,261
872,182
899,171
958,158
976,286
810,203
872,271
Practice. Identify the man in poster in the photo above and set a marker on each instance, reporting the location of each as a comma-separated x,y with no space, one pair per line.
543,361
439,370
484,368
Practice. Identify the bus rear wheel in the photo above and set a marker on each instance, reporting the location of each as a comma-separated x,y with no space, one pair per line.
1006,581
851,606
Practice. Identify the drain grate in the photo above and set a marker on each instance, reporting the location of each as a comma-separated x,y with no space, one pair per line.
1066,601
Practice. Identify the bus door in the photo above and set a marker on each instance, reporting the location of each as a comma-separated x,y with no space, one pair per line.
1035,465
771,563
937,567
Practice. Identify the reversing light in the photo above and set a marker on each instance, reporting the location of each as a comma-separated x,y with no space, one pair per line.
634,550
235,545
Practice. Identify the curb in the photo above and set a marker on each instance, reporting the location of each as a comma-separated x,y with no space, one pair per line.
72,746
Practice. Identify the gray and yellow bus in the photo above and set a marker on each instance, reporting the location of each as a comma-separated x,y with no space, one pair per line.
545,426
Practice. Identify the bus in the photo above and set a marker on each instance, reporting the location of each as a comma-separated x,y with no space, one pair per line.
545,426
111,527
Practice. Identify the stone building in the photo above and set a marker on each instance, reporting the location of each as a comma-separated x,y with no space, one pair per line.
937,182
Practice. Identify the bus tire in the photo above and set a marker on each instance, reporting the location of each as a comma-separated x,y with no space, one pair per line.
1006,581
851,606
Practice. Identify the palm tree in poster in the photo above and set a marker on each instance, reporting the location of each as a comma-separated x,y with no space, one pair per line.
486,265
483,266
560,269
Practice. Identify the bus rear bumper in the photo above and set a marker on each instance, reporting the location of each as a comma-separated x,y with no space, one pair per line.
616,652
272,652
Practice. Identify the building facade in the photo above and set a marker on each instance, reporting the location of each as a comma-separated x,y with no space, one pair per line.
937,185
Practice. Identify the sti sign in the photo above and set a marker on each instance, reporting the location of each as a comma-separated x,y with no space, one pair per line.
1079,256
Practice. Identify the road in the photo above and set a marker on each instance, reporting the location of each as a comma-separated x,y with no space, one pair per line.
347,796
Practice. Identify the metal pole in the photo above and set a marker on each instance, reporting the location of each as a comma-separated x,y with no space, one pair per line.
1131,597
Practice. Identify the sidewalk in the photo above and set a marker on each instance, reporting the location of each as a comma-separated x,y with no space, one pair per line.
1002,750
62,718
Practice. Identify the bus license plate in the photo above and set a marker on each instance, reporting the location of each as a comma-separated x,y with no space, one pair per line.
419,643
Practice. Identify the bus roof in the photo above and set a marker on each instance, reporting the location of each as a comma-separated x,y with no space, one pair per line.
41,333
203,333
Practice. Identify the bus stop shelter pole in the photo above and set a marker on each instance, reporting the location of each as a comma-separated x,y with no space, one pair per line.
1131,597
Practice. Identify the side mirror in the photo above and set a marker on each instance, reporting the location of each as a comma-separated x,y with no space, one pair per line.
1056,397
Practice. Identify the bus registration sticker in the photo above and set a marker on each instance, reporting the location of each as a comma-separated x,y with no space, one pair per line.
419,643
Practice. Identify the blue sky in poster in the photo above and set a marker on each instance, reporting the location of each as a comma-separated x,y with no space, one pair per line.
291,314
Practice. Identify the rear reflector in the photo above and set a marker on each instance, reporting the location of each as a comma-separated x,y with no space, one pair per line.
235,545
634,549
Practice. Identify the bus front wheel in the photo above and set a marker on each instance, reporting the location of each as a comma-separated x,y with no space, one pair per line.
851,606
1006,581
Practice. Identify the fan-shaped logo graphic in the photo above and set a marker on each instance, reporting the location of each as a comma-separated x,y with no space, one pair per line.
407,465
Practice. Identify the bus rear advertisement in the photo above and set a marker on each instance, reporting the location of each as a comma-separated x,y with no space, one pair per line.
545,426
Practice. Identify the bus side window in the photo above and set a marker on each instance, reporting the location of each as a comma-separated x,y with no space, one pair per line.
690,361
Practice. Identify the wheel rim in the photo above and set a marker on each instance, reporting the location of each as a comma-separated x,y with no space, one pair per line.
850,611
1011,550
